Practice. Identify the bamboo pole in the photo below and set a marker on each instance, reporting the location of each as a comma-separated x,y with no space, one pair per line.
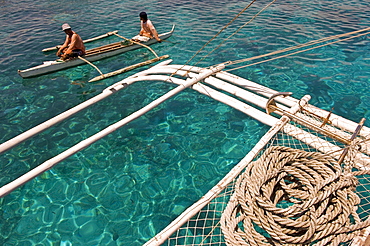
47,124
103,48
321,145
6,189
79,57
123,70
85,41
337,120
101,36
290,130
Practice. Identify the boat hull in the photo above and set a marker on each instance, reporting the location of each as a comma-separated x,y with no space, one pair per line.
53,66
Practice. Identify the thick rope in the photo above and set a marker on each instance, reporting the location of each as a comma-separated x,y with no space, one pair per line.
292,197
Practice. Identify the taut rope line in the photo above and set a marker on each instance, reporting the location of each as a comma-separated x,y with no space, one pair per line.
255,16
298,46
303,45
219,32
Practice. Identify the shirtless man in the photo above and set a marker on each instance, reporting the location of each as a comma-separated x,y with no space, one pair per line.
73,46
147,27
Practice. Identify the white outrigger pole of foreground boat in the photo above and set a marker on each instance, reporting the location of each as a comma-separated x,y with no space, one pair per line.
242,91
239,87
6,189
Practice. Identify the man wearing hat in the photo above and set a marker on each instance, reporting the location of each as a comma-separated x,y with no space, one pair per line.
73,46
147,27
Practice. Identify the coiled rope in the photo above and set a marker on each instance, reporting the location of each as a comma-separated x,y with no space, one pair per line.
292,197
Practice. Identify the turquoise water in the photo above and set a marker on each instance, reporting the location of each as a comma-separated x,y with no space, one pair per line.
128,186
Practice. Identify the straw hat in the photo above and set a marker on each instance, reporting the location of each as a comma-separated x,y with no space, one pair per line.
65,26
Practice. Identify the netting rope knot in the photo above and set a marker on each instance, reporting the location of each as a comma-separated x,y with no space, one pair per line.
292,197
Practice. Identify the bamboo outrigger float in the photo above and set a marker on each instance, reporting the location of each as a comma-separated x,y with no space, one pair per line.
91,56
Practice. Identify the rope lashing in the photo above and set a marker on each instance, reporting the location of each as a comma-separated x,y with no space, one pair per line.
292,197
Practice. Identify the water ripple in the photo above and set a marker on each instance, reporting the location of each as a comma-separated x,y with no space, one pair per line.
131,184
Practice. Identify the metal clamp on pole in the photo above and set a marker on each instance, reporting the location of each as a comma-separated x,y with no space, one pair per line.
271,105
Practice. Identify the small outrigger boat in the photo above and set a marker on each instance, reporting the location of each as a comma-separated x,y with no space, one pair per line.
92,55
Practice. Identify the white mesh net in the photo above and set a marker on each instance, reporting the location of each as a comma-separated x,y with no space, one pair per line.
204,228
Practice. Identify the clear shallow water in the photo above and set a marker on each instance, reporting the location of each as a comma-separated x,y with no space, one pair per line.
128,186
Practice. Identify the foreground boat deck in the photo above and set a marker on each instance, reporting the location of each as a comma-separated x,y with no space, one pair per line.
299,131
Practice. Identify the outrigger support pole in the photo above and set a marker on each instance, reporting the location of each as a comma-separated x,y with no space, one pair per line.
123,70
79,57
126,69
146,46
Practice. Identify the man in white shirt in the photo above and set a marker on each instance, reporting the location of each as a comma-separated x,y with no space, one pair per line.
147,27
